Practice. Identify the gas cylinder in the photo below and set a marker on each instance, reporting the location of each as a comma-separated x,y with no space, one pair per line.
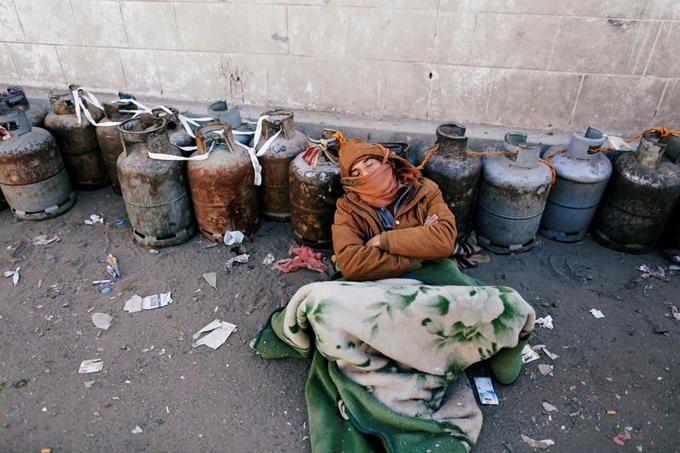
640,197
455,172
314,189
582,177
274,193
109,140
223,185
512,195
671,236
401,149
15,97
242,131
32,175
155,191
176,132
77,142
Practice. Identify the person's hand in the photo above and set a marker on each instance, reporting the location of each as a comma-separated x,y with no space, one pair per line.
373,242
431,220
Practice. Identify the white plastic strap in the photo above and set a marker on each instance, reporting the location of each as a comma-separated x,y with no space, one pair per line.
253,160
254,154
184,120
80,106
258,134
160,156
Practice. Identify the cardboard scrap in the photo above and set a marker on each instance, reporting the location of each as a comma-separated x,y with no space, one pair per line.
133,304
485,390
597,313
219,332
545,369
529,354
211,278
552,356
91,366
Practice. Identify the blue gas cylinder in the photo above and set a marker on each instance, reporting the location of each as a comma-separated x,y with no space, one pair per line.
582,177
512,195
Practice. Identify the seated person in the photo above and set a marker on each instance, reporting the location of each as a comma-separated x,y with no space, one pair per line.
390,219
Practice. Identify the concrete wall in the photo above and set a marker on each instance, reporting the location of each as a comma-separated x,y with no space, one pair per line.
542,64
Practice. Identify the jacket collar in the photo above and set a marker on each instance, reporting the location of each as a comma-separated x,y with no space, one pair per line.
418,191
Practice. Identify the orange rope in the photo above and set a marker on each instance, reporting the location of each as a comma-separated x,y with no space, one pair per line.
552,170
341,139
663,132
489,153
427,156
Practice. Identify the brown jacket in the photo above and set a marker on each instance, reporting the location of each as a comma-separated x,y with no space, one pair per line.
402,249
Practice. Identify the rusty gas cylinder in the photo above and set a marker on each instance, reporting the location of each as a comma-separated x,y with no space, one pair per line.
671,235
77,142
642,192
109,139
32,174
242,131
223,185
155,191
15,97
274,193
455,171
177,133
314,189
582,177
512,196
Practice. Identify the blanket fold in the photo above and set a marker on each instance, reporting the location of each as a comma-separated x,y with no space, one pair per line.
388,354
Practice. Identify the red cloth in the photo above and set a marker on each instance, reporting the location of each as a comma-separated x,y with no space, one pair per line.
305,258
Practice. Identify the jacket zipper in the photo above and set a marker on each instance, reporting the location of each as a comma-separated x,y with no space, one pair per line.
381,228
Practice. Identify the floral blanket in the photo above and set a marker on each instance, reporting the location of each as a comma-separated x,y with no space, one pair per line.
388,355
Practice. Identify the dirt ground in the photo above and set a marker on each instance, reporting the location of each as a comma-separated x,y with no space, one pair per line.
613,375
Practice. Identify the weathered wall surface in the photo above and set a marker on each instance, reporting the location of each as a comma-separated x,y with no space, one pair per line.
541,64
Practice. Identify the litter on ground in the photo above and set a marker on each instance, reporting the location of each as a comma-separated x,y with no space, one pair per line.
597,313
95,219
90,366
243,259
102,320
546,322
42,240
133,304
219,332
542,444
305,258
211,278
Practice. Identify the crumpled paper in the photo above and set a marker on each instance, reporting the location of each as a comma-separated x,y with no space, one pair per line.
546,322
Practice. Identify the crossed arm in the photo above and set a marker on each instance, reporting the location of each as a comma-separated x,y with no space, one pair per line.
365,256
